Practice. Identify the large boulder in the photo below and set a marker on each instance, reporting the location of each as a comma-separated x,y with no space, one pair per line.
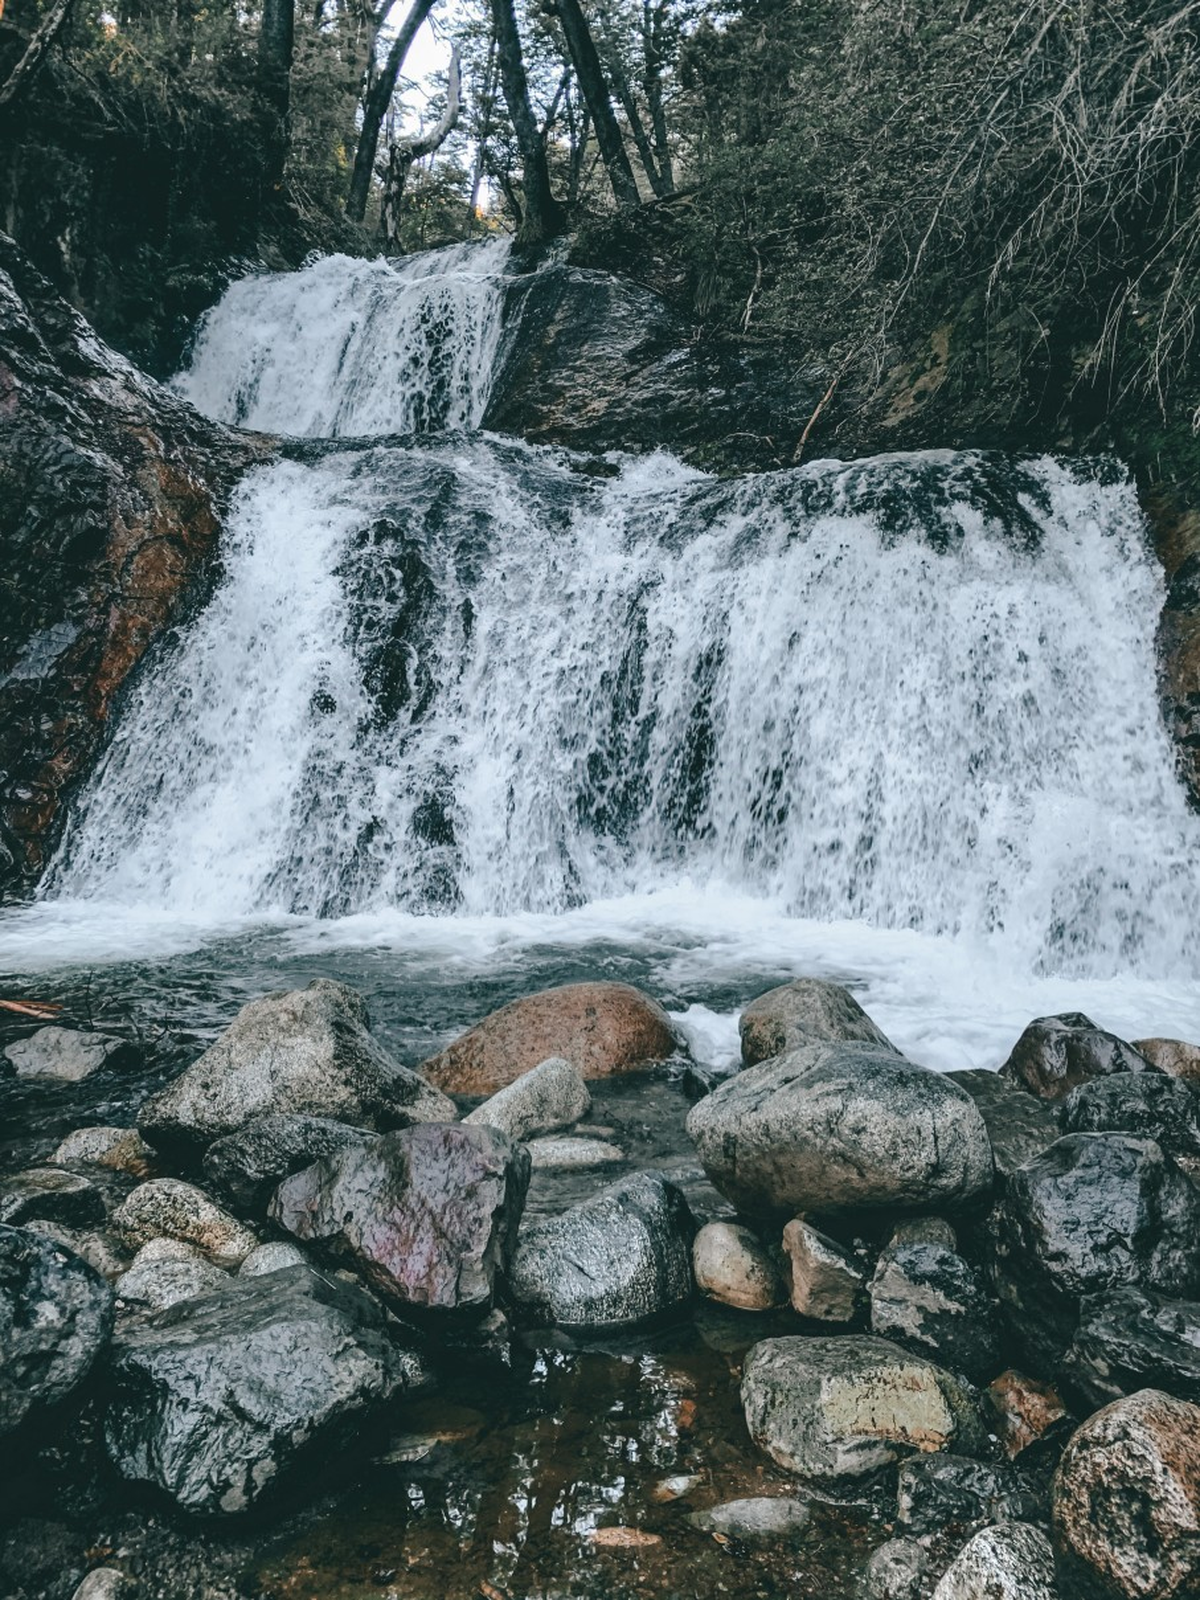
1011,1561
1019,1125
56,1314
428,1215
805,1011
928,1297
841,1128
1146,1103
621,1258
245,1168
302,1051
65,1055
1130,1340
548,1097
1126,1498
1095,1212
600,1028
1054,1054
841,1408
219,1401
171,1209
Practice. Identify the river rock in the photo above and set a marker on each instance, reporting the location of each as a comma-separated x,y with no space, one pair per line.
896,1571
550,1096
220,1400
48,1194
1011,1561
245,1168
301,1051
102,1583
168,1207
733,1266
620,1258
600,1028
843,1407
56,1314
65,1055
1175,1057
1095,1212
1146,1103
153,1285
1027,1413
1126,1497
1019,1125
826,1281
806,1011
93,1245
270,1258
572,1155
428,1215
1130,1339
122,1149
935,1491
927,1296
757,1519
840,1128
1054,1054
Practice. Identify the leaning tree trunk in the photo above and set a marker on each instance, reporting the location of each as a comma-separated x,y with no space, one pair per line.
35,51
276,41
586,60
404,152
375,105
543,216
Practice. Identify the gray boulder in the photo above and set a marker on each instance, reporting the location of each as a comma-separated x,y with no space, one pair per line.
1054,1054
928,1297
1019,1125
1130,1339
840,1128
807,1011
245,1168
65,1055
1011,1561
304,1051
1095,1212
548,1097
219,1401
56,1314
428,1215
832,1409
169,1208
48,1194
1148,1104
618,1259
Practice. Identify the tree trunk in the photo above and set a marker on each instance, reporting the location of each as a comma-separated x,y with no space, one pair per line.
276,40
590,74
35,51
404,152
543,216
485,128
375,104
655,58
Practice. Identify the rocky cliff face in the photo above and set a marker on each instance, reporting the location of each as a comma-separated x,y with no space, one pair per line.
110,498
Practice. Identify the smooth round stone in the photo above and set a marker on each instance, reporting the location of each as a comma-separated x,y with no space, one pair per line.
733,1266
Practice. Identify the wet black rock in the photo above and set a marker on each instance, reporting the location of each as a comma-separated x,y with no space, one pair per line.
621,1258
245,1168
428,1215
936,1491
1055,1054
806,1011
928,1297
220,1401
48,1194
1146,1103
1019,1125
56,1315
1130,1340
1095,1212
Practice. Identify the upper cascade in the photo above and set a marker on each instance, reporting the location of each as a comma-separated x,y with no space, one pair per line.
347,348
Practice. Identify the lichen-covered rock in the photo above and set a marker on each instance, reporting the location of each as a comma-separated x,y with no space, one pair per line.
826,1282
56,1314
245,1168
548,1097
806,1011
928,1297
1019,1125
600,1028
167,1207
66,1055
48,1194
1011,1561
733,1266
1095,1212
1126,1497
1148,1104
840,1128
1129,1339
122,1149
620,1258
938,1491
841,1408
220,1400
304,1051
428,1215
1054,1054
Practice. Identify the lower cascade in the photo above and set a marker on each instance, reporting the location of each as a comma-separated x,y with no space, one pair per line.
463,676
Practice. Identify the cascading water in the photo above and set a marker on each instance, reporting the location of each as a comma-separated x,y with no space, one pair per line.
913,696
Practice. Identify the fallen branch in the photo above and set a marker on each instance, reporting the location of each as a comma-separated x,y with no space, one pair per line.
39,1010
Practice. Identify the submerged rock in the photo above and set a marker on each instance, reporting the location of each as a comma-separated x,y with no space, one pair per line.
65,1055
1055,1054
428,1215
928,1296
1011,1561
167,1207
600,1028
246,1167
304,1051
732,1265
1126,1498
826,1281
620,1258
56,1314
758,1518
839,1128
806,1011
548,1097
841,1408
220,1401
1129,1340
